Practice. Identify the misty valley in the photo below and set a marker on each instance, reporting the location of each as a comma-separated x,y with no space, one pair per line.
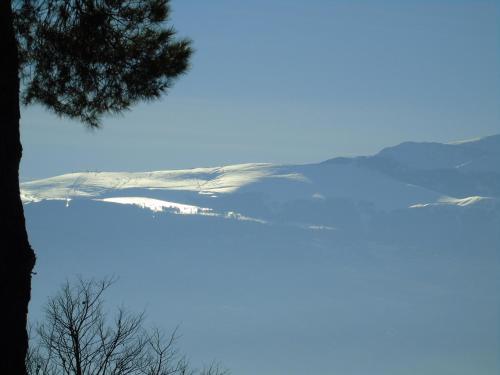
384,264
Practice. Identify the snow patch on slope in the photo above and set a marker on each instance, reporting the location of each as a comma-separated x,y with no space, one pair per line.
462,202
157,205
465,141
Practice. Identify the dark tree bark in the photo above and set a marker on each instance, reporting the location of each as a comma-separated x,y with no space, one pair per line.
16,255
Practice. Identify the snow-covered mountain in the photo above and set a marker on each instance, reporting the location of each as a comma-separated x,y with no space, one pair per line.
397,177
307,268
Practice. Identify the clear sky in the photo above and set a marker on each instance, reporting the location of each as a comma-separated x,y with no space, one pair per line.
296,82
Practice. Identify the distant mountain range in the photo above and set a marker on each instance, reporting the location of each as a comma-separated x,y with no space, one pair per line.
432,169
392,257
406,182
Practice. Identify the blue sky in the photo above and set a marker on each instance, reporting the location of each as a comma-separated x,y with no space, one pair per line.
296,82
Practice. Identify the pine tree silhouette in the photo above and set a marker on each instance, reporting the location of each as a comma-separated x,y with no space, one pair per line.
81,59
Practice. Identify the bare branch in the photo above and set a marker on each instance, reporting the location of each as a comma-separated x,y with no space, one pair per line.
77,338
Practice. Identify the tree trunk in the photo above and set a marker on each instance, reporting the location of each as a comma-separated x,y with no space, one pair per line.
16,256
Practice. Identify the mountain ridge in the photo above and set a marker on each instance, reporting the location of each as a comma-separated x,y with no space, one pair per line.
411,171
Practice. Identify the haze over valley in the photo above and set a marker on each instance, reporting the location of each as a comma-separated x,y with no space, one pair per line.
382,264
